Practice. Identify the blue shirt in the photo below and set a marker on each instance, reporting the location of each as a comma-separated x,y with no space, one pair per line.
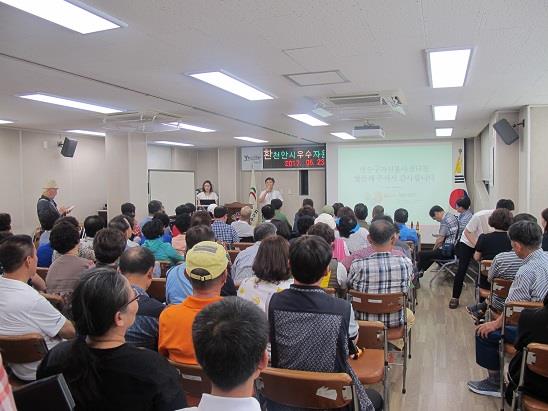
178,286
224,232
408,234
44,253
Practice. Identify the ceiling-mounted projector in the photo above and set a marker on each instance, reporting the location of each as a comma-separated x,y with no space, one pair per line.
368,131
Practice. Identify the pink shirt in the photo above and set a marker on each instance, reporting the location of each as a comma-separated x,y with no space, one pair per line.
179,243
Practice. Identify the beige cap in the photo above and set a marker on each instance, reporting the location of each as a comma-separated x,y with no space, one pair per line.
210,257
50,184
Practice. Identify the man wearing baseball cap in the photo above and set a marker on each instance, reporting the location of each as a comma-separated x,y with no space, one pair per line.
206,266
47,207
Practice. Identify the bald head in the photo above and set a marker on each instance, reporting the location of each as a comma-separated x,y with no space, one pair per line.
381,232
245,213
136,261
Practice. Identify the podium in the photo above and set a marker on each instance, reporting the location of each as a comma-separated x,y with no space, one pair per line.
234,208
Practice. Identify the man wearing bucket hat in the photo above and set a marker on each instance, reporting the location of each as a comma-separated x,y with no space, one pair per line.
206,266
47,207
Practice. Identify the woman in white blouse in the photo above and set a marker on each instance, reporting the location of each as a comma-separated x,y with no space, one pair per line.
271,272
207,192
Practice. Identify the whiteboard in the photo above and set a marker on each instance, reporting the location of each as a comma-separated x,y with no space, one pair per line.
171,187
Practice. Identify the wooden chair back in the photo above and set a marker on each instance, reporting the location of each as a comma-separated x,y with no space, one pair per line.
25,348
194,382
484,267
157,289
513,310
233,254
307,389
500,287
537,358
371,335
377,303
164,267
42,272
242,246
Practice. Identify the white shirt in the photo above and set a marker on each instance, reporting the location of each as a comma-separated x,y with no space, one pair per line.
269,197
24,311
358,240
477,225
202,195
243,228
214,403
259,292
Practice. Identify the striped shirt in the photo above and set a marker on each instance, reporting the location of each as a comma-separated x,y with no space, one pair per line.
464,219
381,273
505,265
531,282
449,228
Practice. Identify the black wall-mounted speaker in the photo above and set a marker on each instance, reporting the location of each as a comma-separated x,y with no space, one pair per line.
506,132
69,147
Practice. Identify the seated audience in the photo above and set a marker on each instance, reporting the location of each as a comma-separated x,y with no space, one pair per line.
445,240
532,328
154,206
490,244
137,265
242,226
44,251
108,246
360,210
399,245
277,204
350,231
307,202
282,229
271,272
303,224
5,222
328,209
65,272
180,210
122,224
544,223
92,224
206,264
305,317
182,224
164,218
406,234
530,284
340,250
243,265
336,208
103,372
382,273
223,232
23,309
200,218
233,333
128,209
267,213
377,212
153,232
178,285
337,275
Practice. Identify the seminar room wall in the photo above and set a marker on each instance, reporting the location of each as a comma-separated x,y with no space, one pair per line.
29,158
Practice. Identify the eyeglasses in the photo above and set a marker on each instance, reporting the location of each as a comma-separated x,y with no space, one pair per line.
136,298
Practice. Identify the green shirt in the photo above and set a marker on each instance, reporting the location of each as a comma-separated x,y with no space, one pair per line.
278,215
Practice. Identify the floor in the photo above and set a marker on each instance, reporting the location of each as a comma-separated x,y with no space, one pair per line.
443,356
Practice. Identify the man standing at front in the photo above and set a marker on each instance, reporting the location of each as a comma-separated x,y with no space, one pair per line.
47,207
269,194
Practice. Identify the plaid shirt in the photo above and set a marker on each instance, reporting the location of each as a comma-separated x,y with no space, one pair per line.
224,232
449,228
381,273
6,398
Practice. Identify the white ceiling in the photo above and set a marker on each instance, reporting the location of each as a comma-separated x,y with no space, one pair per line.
376,45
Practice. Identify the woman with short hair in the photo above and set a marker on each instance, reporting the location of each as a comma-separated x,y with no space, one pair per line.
102,371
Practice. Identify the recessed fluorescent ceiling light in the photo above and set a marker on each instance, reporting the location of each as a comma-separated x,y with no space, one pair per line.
66,14
190,127
232,85
5,122
91,133
70,103
444,132
442,113
173,143
322,112
308,119
344,136
251,139
448,68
